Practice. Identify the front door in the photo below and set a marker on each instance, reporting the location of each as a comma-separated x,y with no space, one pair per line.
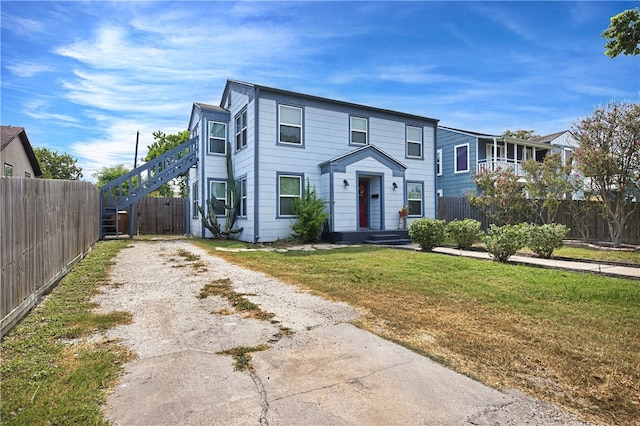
363,203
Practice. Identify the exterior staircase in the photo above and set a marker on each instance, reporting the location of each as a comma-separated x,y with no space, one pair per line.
125,191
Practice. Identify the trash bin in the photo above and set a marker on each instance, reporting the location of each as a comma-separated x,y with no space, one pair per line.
123,222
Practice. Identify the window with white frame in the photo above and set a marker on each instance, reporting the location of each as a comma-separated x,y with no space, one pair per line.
8,170
414,198
439,162
217,138
243,197
414,142
194,200
241,130
218,191
289,188
290,125
461,158
358,131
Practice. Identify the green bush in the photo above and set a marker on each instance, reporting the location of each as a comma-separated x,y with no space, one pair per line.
464,232
504,241
428,233
310,215
544,239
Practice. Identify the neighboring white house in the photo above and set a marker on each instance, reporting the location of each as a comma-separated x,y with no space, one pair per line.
365,162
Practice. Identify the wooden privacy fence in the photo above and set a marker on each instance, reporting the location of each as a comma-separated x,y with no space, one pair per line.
46,227
161,216
582,217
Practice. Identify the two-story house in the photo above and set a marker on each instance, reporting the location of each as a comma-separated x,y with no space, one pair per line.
461,154
366,163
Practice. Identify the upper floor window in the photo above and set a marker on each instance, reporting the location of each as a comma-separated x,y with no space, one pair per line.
414,198
439,162
218,191
461,158
241,130
217,138
195,131
414,142
358,130
8,170
289,188
290,125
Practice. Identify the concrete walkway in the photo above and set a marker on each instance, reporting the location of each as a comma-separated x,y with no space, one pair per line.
569,265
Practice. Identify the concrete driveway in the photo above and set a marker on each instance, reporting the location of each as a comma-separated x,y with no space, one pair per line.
326,372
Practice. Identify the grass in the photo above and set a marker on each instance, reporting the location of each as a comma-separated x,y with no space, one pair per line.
51,372
569,338
224,288
242,356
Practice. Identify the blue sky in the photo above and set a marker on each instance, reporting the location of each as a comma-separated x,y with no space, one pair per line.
83,77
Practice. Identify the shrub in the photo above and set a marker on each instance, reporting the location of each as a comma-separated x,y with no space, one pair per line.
310,215
544,239
504,241
464,232
428,233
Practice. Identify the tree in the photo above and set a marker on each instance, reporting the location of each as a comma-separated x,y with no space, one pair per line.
547,183
109,173
520,134
623,34
501,197
609,157
57,166
162,144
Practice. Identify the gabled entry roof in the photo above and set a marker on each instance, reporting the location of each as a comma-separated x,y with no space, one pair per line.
340,163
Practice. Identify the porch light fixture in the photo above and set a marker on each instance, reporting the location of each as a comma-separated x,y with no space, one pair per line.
345,182
395,185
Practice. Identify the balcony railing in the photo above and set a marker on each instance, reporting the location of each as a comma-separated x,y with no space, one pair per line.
500,163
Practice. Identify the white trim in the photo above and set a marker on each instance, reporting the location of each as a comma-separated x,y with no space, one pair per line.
455,159
412,141
209,137
439,164
284,123
365,131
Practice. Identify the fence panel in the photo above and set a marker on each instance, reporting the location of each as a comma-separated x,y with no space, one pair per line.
582,217
46,226
161,216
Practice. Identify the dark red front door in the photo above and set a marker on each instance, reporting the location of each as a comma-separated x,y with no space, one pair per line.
363,203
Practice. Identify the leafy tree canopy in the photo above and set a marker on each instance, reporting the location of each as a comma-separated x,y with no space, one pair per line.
520,134
609,155
109,173
623,34
57,166
163,143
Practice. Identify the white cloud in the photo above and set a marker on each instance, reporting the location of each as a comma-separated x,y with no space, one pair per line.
27,69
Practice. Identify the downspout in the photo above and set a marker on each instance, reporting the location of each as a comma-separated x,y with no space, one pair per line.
203,185
256,162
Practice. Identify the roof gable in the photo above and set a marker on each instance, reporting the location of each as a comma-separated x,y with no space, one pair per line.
9,133
340,163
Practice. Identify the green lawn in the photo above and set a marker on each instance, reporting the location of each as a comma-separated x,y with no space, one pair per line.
50,372
569,338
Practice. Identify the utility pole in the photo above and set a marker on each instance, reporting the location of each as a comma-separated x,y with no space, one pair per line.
135,159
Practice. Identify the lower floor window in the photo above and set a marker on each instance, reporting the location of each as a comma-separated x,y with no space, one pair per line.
289,188
243,197
218,191
194,200
414,199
